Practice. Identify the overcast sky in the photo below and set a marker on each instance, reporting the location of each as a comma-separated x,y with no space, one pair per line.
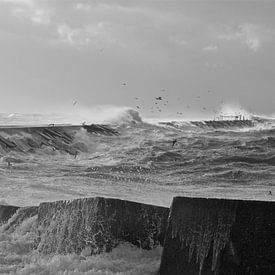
195,54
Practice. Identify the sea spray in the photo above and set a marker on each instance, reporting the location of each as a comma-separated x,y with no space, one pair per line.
98,114
20,233
234,109
19,257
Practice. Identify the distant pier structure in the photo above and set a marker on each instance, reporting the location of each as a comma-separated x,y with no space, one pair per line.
226,121
230,117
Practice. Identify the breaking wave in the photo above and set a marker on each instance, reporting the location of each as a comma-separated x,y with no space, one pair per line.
137,161
18,257
98,114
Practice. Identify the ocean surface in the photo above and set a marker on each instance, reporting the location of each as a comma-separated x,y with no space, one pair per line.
139,164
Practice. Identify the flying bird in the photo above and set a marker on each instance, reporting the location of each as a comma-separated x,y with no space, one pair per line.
74,103
159,98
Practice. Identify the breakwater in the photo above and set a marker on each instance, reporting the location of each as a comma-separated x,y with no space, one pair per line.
98,224
218,236
198,235
29,139
224,123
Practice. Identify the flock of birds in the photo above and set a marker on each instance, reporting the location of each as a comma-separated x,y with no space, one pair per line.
161,102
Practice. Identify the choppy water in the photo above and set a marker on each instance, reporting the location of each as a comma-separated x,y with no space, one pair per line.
141,165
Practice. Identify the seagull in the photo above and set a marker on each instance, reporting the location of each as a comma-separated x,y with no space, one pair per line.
174,142
159,98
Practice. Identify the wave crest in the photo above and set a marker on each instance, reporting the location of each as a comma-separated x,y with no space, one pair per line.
125,116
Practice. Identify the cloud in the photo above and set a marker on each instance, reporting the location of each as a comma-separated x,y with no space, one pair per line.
36,15
30,10
135,26
72,36
249,34
89,34
82,6
113,23
24,2
210,48
118,25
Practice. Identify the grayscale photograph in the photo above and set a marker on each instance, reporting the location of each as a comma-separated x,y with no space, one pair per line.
137,137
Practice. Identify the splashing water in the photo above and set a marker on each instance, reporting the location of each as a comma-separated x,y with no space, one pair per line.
139,165
18,257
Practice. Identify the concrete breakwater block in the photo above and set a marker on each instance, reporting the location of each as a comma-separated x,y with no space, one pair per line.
64,138
98,225
224,123
218,236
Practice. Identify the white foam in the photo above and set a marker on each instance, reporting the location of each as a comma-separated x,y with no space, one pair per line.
17,257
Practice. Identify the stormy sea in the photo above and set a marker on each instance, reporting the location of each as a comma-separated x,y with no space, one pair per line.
137,160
